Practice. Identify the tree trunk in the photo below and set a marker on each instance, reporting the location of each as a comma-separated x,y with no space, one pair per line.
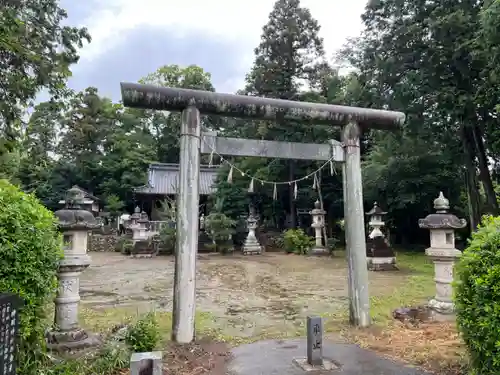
484,172
473,197
293,211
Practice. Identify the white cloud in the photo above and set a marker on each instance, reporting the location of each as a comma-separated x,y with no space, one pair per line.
230,20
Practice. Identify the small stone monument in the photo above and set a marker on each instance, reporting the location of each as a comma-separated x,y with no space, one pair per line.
75,223
314,361
318,223
379,255
442,251
252,245
314,340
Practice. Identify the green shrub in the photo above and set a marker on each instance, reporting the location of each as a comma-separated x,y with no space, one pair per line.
276,241
144,335
30,251
477,297
168,238
220,229
297,241
124,245
109,359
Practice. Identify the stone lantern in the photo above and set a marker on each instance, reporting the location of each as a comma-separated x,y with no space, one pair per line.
318,223
252,245
136,224
142,247
442,226
134,218
379,255
75,223
142,228
202,222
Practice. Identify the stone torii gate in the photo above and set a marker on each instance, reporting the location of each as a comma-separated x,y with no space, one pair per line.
192,103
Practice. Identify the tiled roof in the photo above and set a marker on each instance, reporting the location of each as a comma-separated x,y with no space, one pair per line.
162,179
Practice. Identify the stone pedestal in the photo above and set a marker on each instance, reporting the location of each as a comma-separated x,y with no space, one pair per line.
318,223
442,306
379,255
75,223
251,245
442,252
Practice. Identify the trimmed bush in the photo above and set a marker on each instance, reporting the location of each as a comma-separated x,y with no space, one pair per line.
477,297
297,241
30,251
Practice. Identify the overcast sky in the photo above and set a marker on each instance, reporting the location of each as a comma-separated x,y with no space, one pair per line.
131,38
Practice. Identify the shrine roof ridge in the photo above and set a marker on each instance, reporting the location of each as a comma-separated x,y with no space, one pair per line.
175,167
177,99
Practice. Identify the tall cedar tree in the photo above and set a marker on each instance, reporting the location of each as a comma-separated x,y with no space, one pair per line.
289,56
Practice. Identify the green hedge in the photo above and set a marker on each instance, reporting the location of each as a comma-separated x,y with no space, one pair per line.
30,251
477,297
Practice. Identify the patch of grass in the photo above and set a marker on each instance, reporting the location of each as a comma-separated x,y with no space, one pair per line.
434,346
103,320
418,287
416,290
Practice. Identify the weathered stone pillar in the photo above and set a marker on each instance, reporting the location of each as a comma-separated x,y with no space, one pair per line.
186,253
442,251
318,223
252,245
359,307
380,256
75,224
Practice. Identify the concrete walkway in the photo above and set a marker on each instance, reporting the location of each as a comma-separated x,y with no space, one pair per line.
279,357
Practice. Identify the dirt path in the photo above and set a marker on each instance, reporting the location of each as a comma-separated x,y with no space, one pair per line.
248,296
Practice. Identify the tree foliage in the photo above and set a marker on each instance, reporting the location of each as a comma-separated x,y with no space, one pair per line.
37,52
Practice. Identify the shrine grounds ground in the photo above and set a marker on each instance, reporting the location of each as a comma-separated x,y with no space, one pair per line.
244,299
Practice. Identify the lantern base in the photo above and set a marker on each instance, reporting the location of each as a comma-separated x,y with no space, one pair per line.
441,311
252,245
252,249
382,264
78,339
319,251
